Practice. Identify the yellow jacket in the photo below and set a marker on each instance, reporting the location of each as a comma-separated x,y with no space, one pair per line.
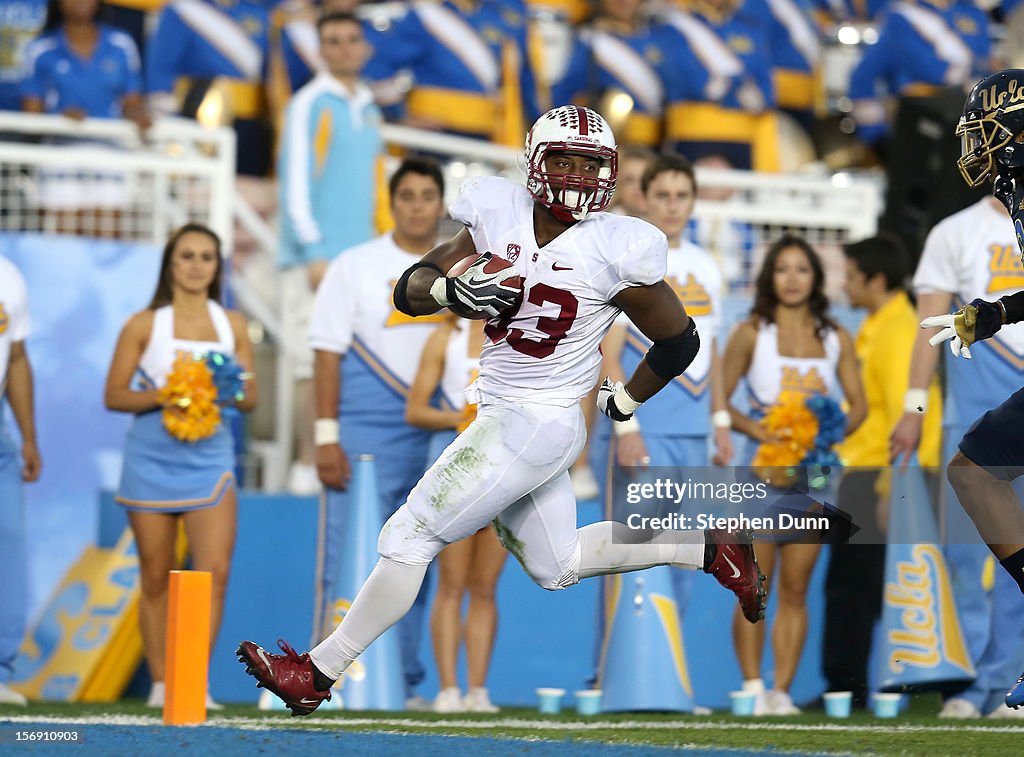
884,345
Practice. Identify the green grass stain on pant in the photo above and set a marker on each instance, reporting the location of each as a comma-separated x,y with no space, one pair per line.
464,466
515,547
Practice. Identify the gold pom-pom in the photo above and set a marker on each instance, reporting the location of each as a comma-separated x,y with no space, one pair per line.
190,400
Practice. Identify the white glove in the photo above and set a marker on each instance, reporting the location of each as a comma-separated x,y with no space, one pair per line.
948,325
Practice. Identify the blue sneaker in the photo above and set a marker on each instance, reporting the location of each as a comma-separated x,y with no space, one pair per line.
1015,696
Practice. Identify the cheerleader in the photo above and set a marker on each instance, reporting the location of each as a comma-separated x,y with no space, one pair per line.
179,461
789,347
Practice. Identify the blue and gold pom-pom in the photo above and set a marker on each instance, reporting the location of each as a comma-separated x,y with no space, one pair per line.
803,432
197,387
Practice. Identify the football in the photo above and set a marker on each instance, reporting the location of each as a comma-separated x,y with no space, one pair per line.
494,265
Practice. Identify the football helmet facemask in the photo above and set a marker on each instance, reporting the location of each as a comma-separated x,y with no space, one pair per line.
575,130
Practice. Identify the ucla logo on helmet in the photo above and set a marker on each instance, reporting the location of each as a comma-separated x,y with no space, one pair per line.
993,98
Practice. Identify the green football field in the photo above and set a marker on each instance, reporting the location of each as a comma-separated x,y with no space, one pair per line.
127,727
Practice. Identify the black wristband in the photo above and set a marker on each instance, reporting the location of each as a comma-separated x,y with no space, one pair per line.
1014,306
401,298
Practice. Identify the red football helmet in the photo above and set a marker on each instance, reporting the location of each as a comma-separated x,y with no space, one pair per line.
580,131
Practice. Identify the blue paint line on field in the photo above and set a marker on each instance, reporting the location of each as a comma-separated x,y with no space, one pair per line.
105,740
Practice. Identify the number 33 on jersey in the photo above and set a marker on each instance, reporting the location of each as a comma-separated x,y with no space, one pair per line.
546,350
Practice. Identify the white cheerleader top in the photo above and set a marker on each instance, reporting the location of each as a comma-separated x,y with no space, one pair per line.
460,369
158,359
771,374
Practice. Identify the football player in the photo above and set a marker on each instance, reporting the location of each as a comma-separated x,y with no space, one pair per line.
581,268
991,453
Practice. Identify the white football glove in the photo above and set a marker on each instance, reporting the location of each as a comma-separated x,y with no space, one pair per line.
948,325
977,320
476,290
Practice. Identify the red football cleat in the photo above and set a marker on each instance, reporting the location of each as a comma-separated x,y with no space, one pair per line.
735,567
289,675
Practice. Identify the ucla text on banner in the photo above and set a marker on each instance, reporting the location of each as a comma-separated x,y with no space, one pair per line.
921,641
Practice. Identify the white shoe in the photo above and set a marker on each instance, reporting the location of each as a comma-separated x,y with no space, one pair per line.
584,485
761,706
958,709
780,703
478,700
156,695
302,480
1002,712
416,704
156,698
10,696
449,700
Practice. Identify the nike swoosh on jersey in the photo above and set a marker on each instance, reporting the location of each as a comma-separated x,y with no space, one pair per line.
735,570
556,267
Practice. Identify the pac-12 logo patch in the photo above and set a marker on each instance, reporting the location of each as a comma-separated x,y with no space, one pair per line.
513,252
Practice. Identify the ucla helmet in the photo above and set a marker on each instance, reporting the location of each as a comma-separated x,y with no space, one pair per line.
991,128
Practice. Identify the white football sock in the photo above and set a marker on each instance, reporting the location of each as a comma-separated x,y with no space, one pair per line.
612,547
386,596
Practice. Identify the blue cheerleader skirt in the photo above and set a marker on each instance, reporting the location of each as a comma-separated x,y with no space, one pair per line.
163,474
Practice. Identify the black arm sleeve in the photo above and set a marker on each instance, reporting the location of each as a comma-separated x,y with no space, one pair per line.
670,357
400,297
1014,304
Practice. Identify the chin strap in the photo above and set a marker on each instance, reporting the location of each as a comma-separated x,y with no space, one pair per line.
1009,190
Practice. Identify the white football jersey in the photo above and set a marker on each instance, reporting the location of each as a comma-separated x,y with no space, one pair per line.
14,322
546,351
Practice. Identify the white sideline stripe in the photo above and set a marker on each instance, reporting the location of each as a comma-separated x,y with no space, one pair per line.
273,723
